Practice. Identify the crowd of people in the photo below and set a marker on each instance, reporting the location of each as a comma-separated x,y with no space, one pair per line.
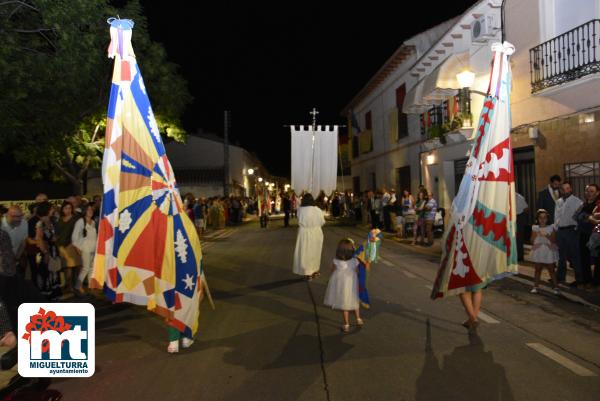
53,244
567,230
404,215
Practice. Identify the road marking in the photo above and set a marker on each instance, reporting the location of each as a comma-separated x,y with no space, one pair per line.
387,263
566,362
429,287
487,318
408,274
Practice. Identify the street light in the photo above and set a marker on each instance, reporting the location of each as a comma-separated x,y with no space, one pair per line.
465,79
260,179
250,171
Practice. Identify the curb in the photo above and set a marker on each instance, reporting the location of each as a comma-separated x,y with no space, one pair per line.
522,277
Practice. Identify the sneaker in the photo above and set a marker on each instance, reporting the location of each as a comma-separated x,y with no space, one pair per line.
186,342
534,290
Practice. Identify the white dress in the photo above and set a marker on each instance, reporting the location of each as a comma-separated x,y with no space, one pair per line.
342,289
543,250
309,243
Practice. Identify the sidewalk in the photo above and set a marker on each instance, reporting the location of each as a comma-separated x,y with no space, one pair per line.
589,298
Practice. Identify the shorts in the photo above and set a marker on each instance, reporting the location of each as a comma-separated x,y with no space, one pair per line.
69,256
400,220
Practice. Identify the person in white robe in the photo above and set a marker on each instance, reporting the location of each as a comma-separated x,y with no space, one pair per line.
309,243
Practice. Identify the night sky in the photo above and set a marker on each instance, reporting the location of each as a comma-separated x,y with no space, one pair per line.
270,64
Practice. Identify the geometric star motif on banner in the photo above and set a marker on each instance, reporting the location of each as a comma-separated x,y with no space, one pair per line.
189,282
181,247
124,221
153,125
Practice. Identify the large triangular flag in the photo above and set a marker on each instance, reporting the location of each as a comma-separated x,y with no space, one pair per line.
148,249
479,245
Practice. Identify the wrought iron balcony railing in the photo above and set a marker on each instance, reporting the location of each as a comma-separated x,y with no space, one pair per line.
567,57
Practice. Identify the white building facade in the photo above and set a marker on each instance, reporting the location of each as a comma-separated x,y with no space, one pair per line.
386,152
411,112
198,164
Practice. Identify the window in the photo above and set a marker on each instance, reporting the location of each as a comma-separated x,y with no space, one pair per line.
402,117
368,120
355,150
402,179
582,174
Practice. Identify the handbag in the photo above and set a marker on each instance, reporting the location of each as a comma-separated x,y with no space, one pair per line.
54,264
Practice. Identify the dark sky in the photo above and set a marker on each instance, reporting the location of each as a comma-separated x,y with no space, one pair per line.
270,64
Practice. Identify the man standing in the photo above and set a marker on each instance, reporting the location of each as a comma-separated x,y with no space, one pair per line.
585,226
16,228
567,236
385,203
430,211
287,208
548,197
264,205
236,208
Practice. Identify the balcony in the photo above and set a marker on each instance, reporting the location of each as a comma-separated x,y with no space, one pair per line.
565,58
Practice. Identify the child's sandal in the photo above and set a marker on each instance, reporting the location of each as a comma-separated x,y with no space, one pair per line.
346,328
360,322
173,347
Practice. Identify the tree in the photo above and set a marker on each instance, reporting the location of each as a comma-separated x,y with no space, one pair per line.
55,78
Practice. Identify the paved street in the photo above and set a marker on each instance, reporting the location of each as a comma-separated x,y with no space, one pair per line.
271,338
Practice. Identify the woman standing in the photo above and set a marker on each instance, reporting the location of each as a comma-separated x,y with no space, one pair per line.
68,253
407,212
42,247
84,240
419,228
309,243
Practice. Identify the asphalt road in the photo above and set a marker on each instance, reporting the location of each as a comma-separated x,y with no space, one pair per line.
271,337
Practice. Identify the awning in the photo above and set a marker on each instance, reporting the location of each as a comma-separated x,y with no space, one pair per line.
437,86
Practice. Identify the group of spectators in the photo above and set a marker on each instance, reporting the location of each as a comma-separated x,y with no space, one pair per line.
404,215
383,209
217,212
46,252
576,230
55,242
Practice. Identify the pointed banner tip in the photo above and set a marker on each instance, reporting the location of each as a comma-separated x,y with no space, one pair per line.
125,24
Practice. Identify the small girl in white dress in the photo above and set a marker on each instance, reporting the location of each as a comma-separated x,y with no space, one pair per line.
342,289
544,252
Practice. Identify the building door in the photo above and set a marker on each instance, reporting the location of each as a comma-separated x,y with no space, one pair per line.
524,160
356,185
402,179
460,166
